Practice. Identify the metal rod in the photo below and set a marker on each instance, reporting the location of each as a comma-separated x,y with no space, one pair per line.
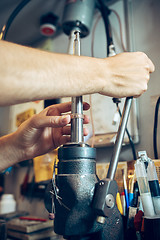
77,120
77,102
119,139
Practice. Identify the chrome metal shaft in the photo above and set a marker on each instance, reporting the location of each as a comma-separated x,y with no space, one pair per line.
119,139
77,102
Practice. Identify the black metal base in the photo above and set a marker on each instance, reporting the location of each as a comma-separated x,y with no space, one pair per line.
75,217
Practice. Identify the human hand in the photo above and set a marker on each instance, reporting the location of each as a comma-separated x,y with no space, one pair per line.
128,76
46,131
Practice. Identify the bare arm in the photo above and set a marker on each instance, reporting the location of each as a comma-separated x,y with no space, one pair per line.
29,74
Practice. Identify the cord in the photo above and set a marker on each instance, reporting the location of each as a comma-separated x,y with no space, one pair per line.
105,13
11,18
155,129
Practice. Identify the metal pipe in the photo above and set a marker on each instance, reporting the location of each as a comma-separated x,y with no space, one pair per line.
77,120
119,139
77,102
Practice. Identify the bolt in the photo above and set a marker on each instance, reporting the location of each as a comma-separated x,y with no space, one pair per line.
110,201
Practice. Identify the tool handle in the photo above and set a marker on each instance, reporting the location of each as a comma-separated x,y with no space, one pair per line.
119,139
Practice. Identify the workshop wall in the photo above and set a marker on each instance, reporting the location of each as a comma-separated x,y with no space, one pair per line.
104,105
145,37
144,24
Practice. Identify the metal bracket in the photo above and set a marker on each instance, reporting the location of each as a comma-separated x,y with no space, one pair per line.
104,197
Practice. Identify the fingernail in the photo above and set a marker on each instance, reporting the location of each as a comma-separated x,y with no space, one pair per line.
86,131
65,118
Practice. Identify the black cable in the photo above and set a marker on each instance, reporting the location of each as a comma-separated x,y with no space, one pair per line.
12,17
155,129
105,11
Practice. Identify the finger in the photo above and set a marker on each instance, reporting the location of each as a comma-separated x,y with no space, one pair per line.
63,108
151,66
85,131
50,121
86,119
64,139
66,107
86,106
67,131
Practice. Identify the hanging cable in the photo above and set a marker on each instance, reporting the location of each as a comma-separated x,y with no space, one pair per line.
155,129
105,11
11,18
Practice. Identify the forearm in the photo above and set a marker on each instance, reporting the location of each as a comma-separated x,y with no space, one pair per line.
10,154
29,74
